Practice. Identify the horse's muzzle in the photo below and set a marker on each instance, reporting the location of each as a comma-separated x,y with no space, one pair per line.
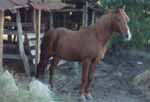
127,36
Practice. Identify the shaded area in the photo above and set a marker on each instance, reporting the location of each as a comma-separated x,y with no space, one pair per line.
112,82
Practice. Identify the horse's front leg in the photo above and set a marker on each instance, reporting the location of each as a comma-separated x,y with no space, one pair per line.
54,63
85,69
90,77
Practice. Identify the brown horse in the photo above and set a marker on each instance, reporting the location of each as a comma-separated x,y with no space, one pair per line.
88,46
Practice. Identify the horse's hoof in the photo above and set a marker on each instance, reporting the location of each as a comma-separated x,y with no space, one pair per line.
82,98
89,97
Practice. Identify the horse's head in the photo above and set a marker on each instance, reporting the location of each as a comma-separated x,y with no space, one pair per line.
120,23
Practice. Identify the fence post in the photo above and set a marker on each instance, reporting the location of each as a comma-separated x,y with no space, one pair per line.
85,15
1,39
38,32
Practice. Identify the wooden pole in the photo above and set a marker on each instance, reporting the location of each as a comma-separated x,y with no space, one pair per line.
1,39
21,45
93,18
85,15
64,19
38,31
51,20
34,19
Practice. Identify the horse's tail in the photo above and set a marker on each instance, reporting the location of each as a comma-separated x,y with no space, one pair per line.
46,42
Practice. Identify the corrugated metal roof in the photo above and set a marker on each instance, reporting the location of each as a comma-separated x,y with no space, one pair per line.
11,4
37,4
6,4
48,6
20,2
46,1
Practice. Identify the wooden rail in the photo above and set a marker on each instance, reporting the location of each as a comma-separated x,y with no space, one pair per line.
10,28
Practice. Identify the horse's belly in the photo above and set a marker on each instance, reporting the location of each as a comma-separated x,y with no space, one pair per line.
69,53
70,56
74,48
76,54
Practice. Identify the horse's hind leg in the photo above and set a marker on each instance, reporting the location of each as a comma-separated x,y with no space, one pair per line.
44,56
54,63
41,67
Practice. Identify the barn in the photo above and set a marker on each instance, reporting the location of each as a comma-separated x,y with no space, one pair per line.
23,23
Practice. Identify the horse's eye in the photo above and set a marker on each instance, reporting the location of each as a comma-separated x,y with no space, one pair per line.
118,19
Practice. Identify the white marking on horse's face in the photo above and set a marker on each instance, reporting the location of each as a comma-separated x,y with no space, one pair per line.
129,35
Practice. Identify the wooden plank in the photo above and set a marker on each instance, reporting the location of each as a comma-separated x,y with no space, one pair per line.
32,43
10,32
33,52
1,39
33,36
21,45
12,56
69,10
38,28
13,32
13,24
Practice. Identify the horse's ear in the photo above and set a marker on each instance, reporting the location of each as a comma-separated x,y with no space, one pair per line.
117,10
124,7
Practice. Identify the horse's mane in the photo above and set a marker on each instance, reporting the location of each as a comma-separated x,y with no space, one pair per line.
106,17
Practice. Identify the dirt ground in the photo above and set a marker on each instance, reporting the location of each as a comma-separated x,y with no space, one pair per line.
112,82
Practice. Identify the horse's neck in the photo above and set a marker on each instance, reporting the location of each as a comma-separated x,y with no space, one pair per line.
103,29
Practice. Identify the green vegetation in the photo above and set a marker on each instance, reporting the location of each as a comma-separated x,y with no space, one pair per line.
139,13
